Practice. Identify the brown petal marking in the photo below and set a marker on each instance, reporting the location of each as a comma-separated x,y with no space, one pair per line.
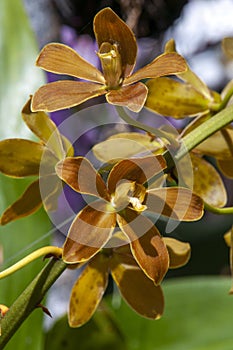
132,97
88,291
64,94
179,252
80,175
135,169
89,232
108,27
28,203
165,64
147,245
175,202
138,290
62,59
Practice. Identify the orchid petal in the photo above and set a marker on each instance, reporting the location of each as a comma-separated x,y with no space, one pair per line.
62,59
218,145
207,182
28,203
165,64
89,232
19,157
80,175
172,98
146,244
139,292
179,252
226,167
108,27
125,145
64,94
132,97
44,128
88,291
175,202
139,170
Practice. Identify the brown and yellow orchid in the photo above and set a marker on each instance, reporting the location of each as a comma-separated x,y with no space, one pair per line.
142,295
23,158
122,202
117,54
197,173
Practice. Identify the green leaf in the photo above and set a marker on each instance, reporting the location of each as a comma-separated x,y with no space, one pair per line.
19,79
198,316
19,76
100,333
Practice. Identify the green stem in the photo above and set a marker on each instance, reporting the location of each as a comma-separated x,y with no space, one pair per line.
220,211
54,251
157,132
203,131
30,299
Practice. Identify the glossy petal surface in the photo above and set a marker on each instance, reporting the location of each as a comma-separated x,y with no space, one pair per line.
172,98
19,157
135,169
62,59
179,252
175,202
170,63
108,27
137,289
28,203
132,97
44,128
87,292
80,175
218,145
226,167
89,232
146,244
124,145
64,94
208,183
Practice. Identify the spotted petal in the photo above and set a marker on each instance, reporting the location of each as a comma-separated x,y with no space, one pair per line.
175,202
172,98
165,64
207,182
80,175
89,232
64,94
28,203
88,291
108,27
146,244
135,169
62,59
137,289
219,145
132,97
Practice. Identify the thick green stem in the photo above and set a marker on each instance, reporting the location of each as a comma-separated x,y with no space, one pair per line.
220,211
203,131
30,299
